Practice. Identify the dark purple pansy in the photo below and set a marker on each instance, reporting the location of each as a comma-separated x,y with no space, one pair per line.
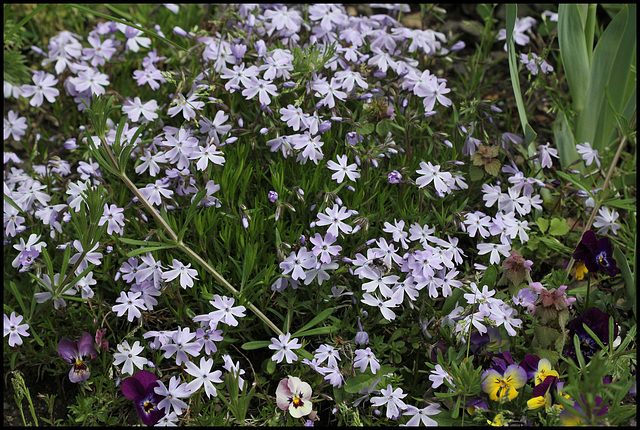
502,360
544,387
76,354
576,415
596,254
139,388
598,322
530,365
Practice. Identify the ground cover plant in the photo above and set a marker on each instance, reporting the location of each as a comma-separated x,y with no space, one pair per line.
319,214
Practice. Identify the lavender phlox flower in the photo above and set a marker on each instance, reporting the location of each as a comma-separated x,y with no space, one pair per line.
129,356
184,342
343,169
421,415
150,75
14,329
535,63
522,25
605,220
392,398
327,352
284,346
234,369
430,173
172,395
366,358
208,336
88,257
225,311
334,218
545,152
15,127
385,306
135,37
129,303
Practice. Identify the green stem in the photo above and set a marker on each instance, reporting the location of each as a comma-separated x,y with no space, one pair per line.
156,215
586,301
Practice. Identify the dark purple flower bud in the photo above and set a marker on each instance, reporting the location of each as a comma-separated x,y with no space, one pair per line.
395,177
354,138
180,32
238,51
240,122
272,196
324,126
264,130
140,389
302,240
350,188
336,118
379,74
375,163
260,47
70,144
38,51
289,84
338,201
458,46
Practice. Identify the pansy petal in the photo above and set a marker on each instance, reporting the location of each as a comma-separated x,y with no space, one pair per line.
516,376
132,388
146,379
85,346
302,410
68,350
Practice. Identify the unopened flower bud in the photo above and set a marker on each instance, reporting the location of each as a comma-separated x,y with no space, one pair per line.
272,196
395,177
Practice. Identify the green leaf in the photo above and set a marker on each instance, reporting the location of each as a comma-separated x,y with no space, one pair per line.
255,344
192,211
384,127
558,227
625,204
574,50
315,321
529,133
18,296
625,271
543,224
363,380
555,244
493,167
565,142
490,276
475,173
316,331
612,69
149,249
574,181
366,128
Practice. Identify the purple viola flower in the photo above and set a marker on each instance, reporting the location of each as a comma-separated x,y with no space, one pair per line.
596,254
598,322
76,353
140,388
